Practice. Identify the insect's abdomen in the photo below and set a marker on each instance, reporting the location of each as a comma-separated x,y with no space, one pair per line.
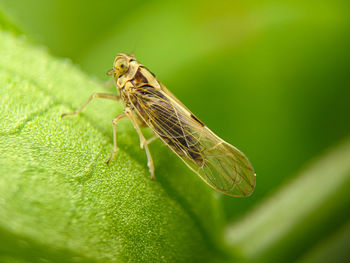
168,124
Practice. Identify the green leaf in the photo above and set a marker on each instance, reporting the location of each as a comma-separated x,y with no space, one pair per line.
300,215
59,201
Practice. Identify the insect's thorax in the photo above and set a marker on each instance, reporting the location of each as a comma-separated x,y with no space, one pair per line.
136,77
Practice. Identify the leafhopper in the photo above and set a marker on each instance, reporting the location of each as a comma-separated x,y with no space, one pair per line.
148,102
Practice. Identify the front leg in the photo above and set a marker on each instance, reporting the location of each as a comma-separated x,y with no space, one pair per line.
94,95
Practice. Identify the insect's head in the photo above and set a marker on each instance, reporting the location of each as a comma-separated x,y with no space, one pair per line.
120,65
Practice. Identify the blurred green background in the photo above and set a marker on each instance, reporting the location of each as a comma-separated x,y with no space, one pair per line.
274,74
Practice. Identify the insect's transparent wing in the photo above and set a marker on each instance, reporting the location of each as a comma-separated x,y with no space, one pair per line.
226,169
219,164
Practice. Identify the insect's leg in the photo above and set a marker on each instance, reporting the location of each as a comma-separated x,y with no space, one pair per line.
150,140
116,119
95,95
143,141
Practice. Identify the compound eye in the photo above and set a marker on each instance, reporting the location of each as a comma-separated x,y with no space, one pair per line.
121,66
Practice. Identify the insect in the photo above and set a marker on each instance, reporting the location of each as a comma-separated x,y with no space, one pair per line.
148,102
